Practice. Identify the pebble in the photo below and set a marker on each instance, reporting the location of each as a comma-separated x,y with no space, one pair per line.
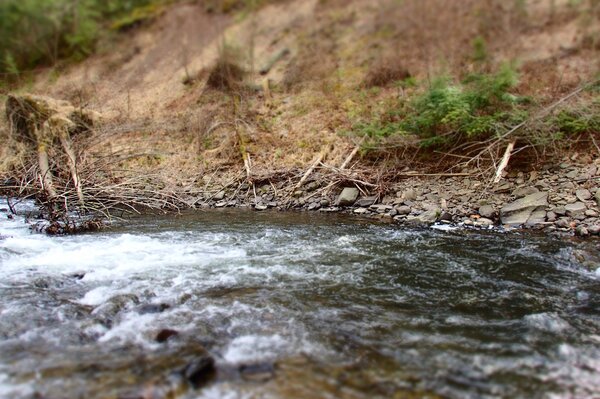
583,195
581,231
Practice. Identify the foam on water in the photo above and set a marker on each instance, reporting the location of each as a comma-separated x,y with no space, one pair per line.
468,306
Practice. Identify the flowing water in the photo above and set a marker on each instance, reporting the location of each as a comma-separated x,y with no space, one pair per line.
293,306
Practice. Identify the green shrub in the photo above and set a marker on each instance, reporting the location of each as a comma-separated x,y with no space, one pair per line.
480,106
41,32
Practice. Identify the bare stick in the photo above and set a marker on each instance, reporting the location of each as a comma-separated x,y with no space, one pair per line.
505,160
594,141
45,174
352,155
310,170
66,144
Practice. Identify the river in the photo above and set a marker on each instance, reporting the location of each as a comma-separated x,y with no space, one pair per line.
293,305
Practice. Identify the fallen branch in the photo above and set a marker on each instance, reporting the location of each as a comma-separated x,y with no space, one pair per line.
310,170
352,155
505,160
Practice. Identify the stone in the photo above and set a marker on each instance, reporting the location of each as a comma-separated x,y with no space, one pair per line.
165,334
524,191
575,209
152,308
527,210
583,195
551,216
324,202
594,229
347,197
261,207
257,372
487,211
591,213
597,197
366,201
361,211
427,217
381,208
563,223
445,217
572,174
483,222
410,194
221,204
200,371
560,210
403,210
312,186
582,231
219,196
313,206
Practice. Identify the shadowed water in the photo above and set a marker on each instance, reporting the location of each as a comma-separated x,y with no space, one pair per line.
329,306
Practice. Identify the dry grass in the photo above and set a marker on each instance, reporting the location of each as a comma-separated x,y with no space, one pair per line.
384,72
228,73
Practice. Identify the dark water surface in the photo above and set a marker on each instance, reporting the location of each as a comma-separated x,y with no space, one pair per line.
294,306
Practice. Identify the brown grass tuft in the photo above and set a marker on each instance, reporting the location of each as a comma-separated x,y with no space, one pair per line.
384,72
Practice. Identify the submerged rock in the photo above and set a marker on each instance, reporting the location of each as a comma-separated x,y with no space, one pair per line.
165,335
257,372
200,371
527,210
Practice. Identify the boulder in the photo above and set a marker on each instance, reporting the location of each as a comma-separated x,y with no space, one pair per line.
527,210
347,197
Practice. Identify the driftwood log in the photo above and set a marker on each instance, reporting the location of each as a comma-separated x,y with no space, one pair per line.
44,123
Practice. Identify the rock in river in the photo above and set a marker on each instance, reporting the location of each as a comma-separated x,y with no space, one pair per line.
527,210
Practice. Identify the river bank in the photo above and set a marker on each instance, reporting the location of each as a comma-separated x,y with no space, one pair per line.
561,198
